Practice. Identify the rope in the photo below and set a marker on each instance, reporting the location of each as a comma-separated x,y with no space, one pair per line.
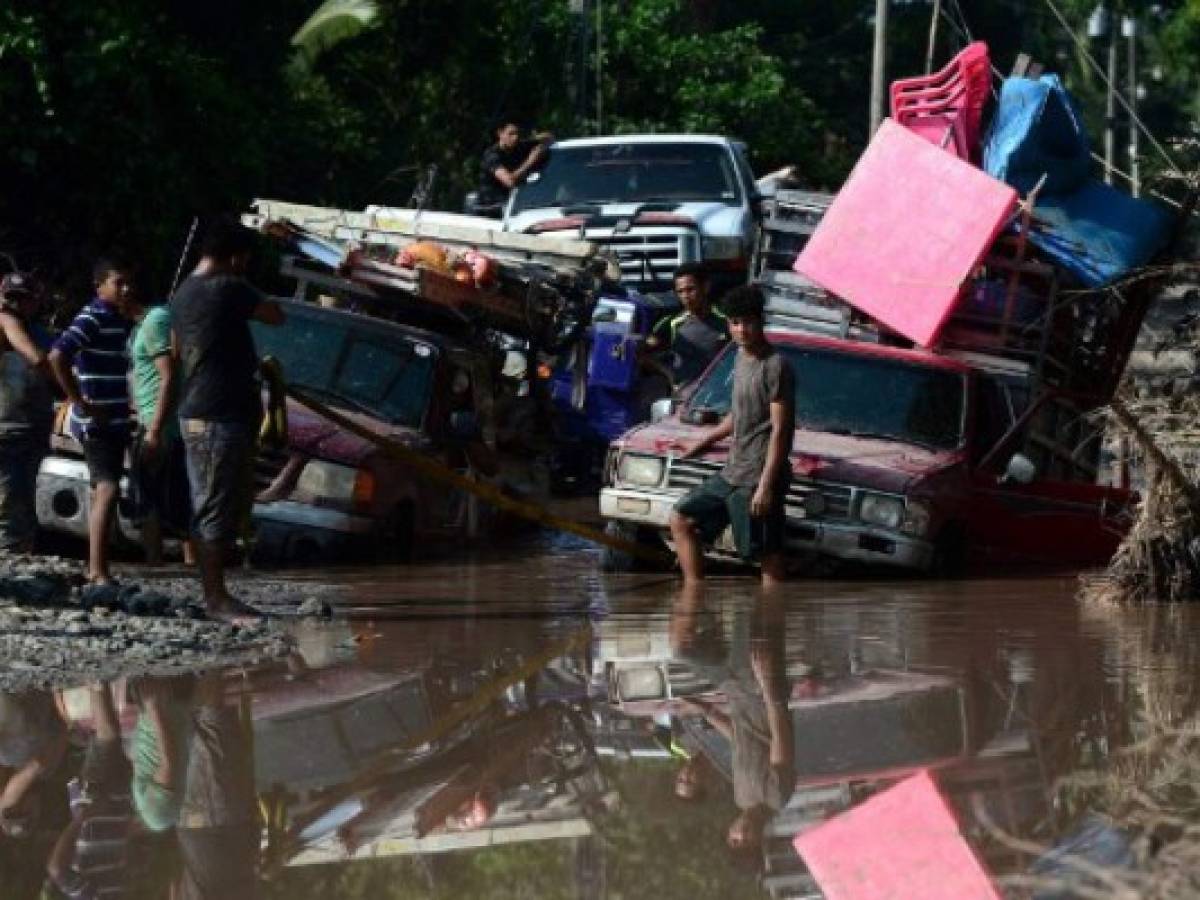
485,491
1133,116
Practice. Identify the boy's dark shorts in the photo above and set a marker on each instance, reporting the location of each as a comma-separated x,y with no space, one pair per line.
220,456
715,504
159,484
105,455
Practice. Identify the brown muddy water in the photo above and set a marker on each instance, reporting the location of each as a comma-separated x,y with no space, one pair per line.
525,727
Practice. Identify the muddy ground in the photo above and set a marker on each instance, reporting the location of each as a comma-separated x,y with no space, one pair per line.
53,633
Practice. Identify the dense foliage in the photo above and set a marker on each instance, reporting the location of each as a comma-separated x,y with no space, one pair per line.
122,119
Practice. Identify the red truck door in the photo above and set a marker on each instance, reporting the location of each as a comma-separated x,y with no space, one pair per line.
1044,522
1052,520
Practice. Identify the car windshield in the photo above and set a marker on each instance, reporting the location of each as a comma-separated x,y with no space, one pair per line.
631,173
388,376
846,393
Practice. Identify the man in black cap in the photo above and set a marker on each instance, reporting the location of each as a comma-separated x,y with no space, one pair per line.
26,409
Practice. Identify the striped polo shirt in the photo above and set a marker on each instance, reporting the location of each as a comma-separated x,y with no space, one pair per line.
96,345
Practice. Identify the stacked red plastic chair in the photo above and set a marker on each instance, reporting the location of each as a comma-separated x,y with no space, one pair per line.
946,107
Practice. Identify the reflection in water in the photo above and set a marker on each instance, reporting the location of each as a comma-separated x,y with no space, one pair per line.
646,742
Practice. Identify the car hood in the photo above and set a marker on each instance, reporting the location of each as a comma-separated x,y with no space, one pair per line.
888,466
313,435
711,218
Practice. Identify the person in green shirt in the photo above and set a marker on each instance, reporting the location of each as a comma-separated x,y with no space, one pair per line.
692,339
160,481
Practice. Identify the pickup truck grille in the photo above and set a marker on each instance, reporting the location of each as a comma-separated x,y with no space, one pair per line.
837,500
646,259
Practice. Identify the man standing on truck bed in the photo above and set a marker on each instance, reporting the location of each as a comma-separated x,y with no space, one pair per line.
220,407
748,493
506,163
695,336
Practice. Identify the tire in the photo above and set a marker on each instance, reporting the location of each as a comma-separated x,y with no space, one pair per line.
950,551
396,544
612,559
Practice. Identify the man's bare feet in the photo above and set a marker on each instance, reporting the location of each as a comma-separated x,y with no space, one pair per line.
234,611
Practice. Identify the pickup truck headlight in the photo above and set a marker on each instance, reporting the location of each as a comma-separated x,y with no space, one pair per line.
330,484
880,509
644,471
722,248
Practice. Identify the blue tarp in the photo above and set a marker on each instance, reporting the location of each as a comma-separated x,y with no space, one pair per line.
1093,230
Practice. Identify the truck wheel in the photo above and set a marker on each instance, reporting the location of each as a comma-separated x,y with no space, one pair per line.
613,560
950,551
395,543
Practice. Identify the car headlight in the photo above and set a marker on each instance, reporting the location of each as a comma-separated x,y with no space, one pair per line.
330,484
723,248
917,516
645,471
641,684
879,509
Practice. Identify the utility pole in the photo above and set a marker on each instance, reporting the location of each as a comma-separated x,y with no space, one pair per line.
878,63
1110,107
599,66
1129,30
1101,23
579,61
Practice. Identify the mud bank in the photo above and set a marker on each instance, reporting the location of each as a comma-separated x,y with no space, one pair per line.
54,633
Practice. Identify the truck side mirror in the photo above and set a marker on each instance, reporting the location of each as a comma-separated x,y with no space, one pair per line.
1020,470
661,409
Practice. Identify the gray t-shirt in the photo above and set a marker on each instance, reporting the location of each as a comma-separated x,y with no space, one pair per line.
757,382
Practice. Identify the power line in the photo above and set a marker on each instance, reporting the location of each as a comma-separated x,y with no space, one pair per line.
1133,116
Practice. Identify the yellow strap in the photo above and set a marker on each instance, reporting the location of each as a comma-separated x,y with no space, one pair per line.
482,489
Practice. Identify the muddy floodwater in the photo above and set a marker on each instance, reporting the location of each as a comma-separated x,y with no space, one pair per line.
526,726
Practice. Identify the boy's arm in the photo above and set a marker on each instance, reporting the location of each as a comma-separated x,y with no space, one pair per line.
20,341
764,496
714,435
165,366
60,365
79,334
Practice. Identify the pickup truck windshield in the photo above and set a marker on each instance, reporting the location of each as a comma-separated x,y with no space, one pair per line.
386,376
632,173
844,393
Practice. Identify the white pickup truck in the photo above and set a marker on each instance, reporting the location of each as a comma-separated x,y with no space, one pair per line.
655,200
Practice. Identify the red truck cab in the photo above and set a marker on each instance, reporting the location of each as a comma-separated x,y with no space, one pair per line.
902,458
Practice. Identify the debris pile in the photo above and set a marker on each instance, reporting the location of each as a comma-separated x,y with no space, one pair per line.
440,269
1156,442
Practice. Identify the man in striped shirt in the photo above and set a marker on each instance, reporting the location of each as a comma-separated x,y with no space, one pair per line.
91,362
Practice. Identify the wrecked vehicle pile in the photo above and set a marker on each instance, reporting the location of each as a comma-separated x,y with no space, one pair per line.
950,329
434,345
